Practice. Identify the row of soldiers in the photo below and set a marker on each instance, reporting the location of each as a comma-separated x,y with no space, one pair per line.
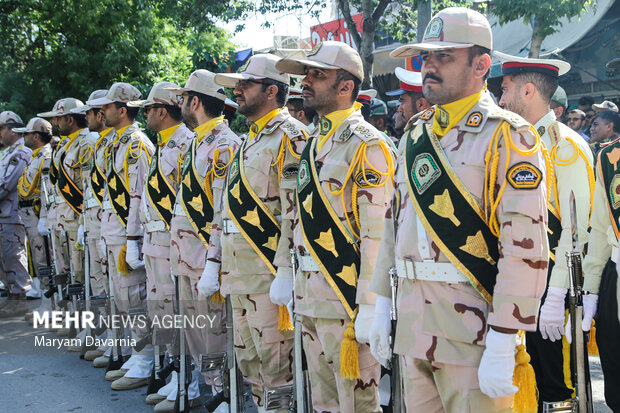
468,215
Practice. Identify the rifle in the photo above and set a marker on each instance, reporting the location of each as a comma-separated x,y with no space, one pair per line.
87,293
116,356
579,351
302,401
396,399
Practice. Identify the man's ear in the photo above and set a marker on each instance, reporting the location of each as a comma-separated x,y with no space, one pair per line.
482,65
345,87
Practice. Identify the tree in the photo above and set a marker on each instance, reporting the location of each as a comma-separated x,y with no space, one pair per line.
53,49
544,15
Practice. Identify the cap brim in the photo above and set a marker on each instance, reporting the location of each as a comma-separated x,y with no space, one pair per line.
230,80
416,48
139,103
397,92
298,66
177,90
99,102
50,114
81,110
563,67
21,130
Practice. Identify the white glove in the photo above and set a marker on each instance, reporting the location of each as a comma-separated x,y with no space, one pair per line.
363,321
80,235
209,282
590,303
380,331
551,323
281,290
42,227
133,254
497,365
103,249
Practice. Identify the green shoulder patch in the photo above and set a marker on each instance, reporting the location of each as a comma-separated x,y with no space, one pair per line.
524,175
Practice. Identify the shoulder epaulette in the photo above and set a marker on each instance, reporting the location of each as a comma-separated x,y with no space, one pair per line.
269,130
292,129
366,133
512,118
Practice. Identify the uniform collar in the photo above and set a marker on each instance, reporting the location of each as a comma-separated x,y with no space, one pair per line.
329,123
259,125
204,129
448,115
166,134
542,127
122,130
36,151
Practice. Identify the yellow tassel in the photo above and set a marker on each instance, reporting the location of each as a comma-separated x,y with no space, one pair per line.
78,246
592,347
349,363
284,320
526,399
123,268
218,298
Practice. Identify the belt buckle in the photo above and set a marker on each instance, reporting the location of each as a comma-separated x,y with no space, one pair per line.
414,276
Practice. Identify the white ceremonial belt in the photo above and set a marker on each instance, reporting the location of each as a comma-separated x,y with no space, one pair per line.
429,271
153,226
59,200
230,227
107,205
178,210
307,263
91,203
614,254
51,199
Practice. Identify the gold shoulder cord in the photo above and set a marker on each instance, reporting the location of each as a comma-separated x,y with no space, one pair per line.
285,145
25,188
213,173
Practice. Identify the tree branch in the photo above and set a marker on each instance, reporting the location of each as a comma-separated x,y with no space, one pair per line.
343,6
376,15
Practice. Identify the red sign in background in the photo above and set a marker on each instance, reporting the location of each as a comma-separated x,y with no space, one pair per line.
335,30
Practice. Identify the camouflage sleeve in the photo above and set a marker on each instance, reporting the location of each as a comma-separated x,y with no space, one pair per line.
372,204
572,177
599,249
522,222
214,253
288,185
137,166
380,282
43,187
14,170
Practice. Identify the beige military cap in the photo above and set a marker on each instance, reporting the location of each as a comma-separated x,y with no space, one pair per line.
606,105
560,96
451,28
161,93
259,66
326,55
62,107
119,92
8,116
201,81
35,125
81,110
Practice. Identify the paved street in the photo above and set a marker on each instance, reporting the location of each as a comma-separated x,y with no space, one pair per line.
55,380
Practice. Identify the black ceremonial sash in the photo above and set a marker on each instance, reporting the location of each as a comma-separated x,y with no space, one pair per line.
118,193
160,192
255,221
333,248
450,215
554,231
97,183
68,189
196,197
608,167
53,174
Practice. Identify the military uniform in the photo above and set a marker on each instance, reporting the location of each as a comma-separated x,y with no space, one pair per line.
442,326
600,269
166,163
325,318
188,252
14,260
264,353
572,168
93,180
29,188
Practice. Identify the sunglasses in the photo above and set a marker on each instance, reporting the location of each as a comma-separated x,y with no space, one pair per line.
574,119
243,84
589,116
147,109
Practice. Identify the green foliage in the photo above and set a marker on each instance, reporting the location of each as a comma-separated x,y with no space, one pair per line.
547,13
59,48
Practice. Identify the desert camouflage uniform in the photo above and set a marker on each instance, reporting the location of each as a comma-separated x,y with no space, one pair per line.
67,220
13,256
442,327
30,181
129,289
324,318
264,353
156,247
188,252
95,145
547,356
